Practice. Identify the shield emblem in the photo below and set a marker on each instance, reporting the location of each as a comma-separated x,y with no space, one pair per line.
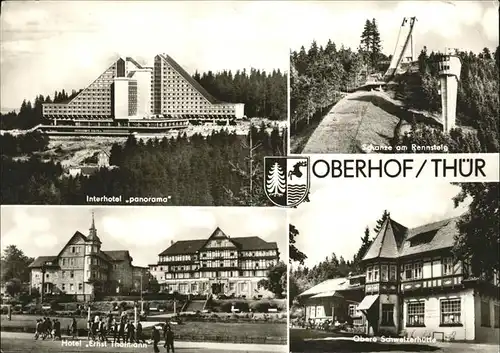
286,180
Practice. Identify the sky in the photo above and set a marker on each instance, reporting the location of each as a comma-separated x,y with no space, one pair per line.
466,25
335,219
48,46
144,231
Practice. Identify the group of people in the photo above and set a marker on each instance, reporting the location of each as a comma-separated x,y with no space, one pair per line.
46,327
121,329
168,336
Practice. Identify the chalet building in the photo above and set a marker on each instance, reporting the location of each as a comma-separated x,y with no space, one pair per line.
219,265
415,287
82,269
336,300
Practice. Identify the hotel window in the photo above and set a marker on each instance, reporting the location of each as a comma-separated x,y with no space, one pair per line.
71,274
415,314
352,310
408,271
450,311
384,275
485,313
80,286
417,270
71,288
375,273
447,266
63,287
369,274
392,273
387,315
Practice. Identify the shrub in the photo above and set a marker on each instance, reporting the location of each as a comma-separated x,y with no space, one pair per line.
262,306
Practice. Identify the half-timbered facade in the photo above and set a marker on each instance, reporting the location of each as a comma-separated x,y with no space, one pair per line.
415,287
217,265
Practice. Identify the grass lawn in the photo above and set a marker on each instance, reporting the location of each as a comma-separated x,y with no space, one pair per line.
241,332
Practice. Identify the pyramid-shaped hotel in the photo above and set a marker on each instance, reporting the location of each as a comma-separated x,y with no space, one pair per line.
128,97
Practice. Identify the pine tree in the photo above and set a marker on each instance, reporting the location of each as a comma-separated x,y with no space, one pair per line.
381,221
375,44
275,181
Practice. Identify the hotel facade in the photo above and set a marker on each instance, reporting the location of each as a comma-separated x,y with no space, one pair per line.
130,95
415,287
218,265
82,269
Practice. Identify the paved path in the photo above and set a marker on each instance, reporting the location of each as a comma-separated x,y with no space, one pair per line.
352,122
24,342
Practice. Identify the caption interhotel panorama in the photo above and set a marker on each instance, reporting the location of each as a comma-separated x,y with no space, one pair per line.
128,97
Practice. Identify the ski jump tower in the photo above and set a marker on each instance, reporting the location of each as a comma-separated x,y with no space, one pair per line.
404,44
449,74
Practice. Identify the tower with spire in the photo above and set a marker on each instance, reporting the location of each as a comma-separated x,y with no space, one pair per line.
92,251
382,303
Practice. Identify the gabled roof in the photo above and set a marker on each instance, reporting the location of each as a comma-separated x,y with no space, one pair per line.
254,243
330,285
40,260
395,240
117,255
190,79
185,247
77,234
387,242
434,236
219,233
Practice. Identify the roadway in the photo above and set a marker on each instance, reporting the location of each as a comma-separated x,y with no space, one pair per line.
13,342
358,119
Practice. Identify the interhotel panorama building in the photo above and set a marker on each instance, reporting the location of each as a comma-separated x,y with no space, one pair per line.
129,97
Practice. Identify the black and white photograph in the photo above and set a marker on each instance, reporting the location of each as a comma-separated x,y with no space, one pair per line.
136,279
140,102
395,77
399,266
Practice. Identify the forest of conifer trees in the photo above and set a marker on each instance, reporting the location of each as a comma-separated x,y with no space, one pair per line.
196,171
477,102
264,95
320,77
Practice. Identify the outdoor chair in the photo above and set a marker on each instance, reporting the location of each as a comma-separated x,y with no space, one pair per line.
450,337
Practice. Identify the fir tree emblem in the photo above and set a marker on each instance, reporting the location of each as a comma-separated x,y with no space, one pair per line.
286,179
276,183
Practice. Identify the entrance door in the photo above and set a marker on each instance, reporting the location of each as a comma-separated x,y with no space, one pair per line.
217,288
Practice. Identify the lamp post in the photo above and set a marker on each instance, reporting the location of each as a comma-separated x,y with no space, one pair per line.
44,269
142,302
